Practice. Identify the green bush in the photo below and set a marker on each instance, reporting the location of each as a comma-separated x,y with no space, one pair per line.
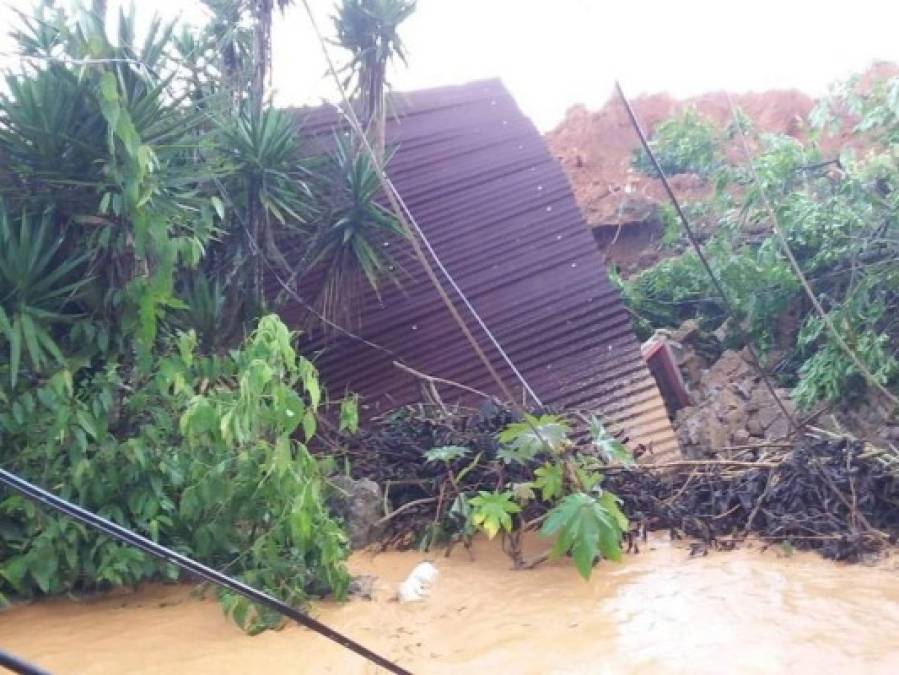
546,483
686,143
839,217
200,454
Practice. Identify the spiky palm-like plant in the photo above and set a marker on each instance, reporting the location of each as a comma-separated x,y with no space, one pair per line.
39,285
369,30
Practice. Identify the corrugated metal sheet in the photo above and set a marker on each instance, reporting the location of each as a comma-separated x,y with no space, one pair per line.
499,212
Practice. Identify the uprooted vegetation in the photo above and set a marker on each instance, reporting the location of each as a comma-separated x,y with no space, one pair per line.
838,213
450,473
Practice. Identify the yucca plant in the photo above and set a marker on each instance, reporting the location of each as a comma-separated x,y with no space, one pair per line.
209,312
368,29
352,244
262,150
38,289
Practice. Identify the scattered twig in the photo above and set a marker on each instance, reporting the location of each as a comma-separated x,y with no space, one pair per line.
405,507
439,380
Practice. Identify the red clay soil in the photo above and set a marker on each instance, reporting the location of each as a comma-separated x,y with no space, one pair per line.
595,148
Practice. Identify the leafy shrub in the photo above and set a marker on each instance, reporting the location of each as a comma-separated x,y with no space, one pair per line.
685,143
838,215
200,454
563,492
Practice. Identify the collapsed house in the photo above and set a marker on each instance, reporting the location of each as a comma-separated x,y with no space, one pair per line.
499,213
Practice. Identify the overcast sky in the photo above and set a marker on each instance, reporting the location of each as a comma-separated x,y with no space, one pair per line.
555,53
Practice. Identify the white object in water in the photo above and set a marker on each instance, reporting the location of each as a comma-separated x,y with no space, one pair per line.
425,572
418,583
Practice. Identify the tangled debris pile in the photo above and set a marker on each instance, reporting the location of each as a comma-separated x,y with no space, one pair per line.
391,453
833,494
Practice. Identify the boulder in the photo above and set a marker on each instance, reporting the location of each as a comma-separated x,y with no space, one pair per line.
732,406
359,503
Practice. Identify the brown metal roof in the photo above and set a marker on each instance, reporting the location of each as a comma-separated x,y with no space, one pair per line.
499,211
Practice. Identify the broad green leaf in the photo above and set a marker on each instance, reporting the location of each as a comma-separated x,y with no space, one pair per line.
523,492
609,447
585,527
522,441
282,457
492,511
549,481
445,453
349,414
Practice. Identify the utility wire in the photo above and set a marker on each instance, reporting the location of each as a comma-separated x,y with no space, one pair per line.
41,496
775,226
408,223
702,259
16,665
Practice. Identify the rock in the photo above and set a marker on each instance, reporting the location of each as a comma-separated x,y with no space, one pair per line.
741,437
362,587
732,406
754,427
779,428
687,330
728,399
359,504
768,414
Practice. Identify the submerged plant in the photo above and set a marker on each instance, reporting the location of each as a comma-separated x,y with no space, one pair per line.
551,486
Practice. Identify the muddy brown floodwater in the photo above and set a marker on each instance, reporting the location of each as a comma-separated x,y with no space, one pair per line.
658,612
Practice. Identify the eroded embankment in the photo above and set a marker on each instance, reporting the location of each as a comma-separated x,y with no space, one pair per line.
659,611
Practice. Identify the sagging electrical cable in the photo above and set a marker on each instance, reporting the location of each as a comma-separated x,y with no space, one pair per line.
41,496
16,665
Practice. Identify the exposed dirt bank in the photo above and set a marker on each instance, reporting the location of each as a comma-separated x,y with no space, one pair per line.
595,150
660,611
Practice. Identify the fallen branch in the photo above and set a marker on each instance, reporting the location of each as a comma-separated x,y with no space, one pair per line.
405,507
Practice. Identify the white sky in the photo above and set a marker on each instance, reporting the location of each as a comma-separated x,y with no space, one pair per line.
555,53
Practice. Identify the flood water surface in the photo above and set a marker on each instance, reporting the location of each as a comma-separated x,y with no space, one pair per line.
657,612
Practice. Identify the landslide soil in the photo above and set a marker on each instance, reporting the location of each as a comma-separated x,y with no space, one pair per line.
595,150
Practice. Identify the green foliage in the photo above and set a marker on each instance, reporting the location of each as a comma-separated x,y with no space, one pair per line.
261,150
352,245
838,215
522,441
548,479
584,520
446,453
609,447
492,511
686,143
38,287
145,188
108,148
349,415
368,29
202,455
586,527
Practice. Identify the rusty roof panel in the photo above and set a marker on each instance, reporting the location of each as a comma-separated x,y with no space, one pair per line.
499,211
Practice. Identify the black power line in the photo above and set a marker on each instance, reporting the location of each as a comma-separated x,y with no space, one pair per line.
80,514
17,665
757,362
